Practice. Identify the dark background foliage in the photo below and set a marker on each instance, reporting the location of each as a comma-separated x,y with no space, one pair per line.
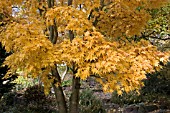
5,84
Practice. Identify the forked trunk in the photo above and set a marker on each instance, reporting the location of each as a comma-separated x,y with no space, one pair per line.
59,94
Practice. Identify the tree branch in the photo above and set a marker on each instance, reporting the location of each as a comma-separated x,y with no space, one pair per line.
155,37
70,2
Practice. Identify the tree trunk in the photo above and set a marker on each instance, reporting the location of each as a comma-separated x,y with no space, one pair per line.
74,99
60,97
53,28
70,2
62,106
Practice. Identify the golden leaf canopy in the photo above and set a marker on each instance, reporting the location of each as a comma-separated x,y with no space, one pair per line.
116,65
74,19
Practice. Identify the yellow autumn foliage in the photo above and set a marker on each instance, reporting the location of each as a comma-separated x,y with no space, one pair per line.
117,64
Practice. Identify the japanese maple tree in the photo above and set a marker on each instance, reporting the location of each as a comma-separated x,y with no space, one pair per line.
92,37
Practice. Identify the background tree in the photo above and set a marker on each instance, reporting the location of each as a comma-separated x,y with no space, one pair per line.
92,37
157,30
5,83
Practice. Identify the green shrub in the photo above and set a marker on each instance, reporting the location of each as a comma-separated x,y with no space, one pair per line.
126,98
35,94
156,83
9,98
89,103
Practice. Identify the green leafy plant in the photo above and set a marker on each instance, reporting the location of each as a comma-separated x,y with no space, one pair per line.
89,103
156,83
126,98
35,94
66,83
24,82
